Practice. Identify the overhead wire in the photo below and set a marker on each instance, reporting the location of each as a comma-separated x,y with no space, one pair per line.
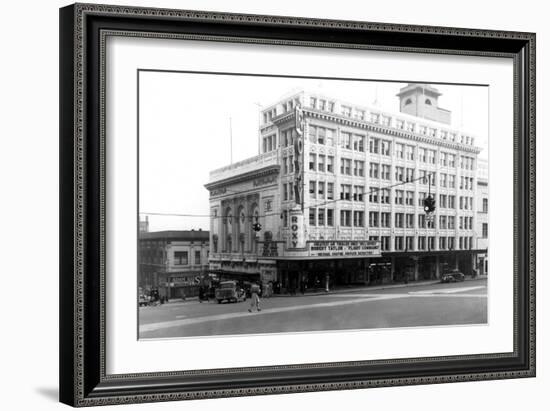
372,190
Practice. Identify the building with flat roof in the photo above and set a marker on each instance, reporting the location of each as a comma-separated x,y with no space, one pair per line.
338,190
173,261
482,220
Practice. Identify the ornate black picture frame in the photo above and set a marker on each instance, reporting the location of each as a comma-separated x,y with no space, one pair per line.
83,380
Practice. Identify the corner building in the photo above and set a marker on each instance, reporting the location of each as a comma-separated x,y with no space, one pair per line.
173,261
338,190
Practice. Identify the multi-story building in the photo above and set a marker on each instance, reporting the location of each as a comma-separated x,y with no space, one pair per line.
173,261
482,222
338,190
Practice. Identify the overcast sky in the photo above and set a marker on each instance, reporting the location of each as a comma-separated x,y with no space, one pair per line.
185,130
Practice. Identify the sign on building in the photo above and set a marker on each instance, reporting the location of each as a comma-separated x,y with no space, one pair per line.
344,248
297,235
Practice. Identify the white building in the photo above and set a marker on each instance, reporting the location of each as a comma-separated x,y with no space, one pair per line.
482,221
338,189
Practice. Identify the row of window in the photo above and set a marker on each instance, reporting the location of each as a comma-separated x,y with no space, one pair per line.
425,243
323,163
325,191
361,114
317,162
356,142
268,115
321,104
319,217
182,258
323,217
466,163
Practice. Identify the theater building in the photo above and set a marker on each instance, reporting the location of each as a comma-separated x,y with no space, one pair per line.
338,190
173,261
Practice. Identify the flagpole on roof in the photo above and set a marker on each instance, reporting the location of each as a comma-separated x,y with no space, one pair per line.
230,141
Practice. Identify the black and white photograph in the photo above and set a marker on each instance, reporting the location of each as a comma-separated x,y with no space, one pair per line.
287,204
267,206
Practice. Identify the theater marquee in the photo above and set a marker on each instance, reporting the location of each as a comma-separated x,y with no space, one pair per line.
344,248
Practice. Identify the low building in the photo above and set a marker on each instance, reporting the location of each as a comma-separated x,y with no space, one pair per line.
173,261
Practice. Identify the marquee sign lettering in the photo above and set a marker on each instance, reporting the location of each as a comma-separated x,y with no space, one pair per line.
297,236
366,248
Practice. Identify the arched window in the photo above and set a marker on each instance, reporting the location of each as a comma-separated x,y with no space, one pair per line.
408,101
228,228
428,102
215,243
241,228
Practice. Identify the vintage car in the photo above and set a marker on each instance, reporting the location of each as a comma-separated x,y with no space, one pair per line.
229,291
143,300
452,277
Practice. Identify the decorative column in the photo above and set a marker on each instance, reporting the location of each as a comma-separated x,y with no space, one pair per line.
235,227
248,226
223,230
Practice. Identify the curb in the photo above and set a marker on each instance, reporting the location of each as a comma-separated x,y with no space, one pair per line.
371,288
343,291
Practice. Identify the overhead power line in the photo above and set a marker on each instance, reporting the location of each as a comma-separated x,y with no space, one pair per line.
372,190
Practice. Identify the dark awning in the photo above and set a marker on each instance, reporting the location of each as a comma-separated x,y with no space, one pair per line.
234,274
433,253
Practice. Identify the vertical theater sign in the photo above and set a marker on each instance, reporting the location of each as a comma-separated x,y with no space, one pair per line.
296,214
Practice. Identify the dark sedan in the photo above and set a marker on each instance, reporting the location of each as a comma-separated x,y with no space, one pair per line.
452,277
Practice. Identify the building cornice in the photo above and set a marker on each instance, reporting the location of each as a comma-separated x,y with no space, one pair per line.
378,128
250,175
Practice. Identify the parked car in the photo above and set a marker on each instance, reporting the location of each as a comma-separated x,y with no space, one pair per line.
230,291
452,277
143,300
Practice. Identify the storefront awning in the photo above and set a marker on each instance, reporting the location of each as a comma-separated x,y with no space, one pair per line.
233,273
433,253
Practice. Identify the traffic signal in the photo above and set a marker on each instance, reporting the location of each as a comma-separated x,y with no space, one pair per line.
256,226
429,204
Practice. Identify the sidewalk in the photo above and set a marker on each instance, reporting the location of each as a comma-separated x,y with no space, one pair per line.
343,290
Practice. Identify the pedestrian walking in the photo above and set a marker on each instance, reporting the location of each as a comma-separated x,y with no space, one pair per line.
254,298
269,289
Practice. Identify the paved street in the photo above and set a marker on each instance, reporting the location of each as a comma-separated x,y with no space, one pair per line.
409,306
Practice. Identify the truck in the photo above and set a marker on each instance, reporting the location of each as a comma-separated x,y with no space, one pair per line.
229,291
